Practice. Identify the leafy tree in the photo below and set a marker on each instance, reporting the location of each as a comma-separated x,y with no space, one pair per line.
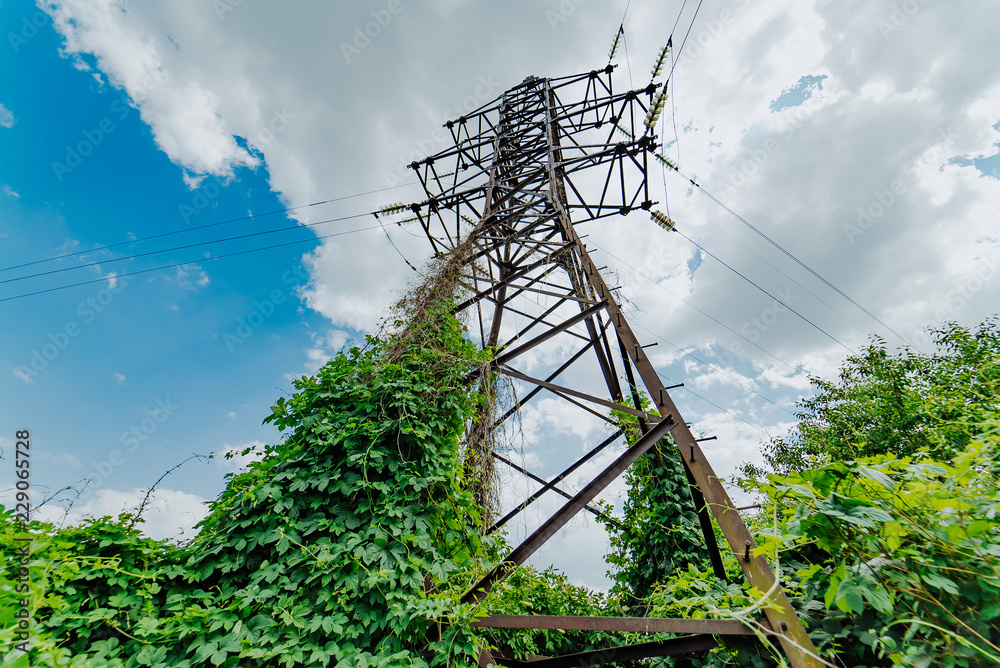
657,531
904,552
528,591
899,404
340,547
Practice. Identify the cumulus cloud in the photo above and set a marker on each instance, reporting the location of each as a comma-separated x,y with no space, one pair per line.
169,514
231,458
192,278
7,119
183,114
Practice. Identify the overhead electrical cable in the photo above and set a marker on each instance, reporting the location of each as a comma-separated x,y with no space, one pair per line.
686,35
707,315
772,266
718,369
191,262
792,310
686,388
791,256
393,244
677,22
202,227
185,247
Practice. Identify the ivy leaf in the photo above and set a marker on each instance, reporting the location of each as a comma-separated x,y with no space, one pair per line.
877,476
850,596
990,611
940,582
879,599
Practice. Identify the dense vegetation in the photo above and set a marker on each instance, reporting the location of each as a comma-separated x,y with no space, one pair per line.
350,542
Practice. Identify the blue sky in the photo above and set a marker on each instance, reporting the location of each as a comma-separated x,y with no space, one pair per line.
90,363
832,126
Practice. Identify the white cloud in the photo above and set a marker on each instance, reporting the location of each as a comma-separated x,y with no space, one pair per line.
22,376
119,378
169,514
10,192
184,115
7,119
336,339
800,175
232,458
191,278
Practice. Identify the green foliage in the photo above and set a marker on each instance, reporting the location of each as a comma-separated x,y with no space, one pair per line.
527,591
337,548
898,404
903,551
695,593
658,530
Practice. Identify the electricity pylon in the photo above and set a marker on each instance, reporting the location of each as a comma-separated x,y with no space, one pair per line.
526,170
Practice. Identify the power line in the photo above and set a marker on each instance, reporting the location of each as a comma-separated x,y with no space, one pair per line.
685,387
691,355
393,243
792,257
679,14
730,268
202,227
186,246
191,262
707,315
716,368
772,266
686,35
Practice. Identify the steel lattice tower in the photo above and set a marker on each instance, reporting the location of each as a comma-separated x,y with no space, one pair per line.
513,187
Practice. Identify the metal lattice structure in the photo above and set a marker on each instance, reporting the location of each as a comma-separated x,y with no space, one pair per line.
513,186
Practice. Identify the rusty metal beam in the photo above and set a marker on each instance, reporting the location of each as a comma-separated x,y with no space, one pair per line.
552,376
521,553
521,469
795,642
508,355
513,373
521,189
552,483
618,655
727,627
